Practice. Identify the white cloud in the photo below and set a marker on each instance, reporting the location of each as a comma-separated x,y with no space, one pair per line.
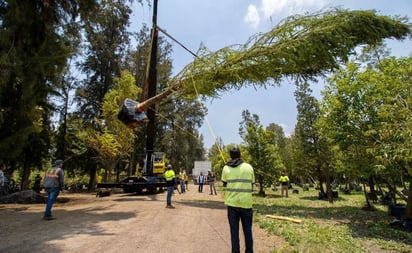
252,17
289,7
270,7
280,9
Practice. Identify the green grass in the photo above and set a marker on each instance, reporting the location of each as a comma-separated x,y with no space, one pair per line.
342,226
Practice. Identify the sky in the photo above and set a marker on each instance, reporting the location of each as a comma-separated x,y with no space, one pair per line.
221,23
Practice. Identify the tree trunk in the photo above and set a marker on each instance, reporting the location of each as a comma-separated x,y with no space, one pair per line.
25,184
261,188
371,184
92,181
368,204
408,210
328,184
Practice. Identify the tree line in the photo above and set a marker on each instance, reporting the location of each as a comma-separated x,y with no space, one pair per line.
66,67
359,132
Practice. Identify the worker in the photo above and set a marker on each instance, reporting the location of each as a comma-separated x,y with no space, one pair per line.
211,178
284,184
182,178
200,181
53,184
170,183
238,177
37,183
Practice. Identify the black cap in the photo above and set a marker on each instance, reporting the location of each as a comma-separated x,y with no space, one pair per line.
57,163
234,153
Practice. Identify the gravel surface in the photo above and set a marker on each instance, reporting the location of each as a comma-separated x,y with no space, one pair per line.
124,223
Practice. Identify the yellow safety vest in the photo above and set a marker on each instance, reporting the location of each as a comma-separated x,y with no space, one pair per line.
182,176
169,175
284,179
52,172
239,185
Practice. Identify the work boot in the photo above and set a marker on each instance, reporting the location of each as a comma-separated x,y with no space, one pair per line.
170,206
48,217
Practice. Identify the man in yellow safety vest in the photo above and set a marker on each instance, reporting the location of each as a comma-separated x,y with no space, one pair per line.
170,183
237,178
284,184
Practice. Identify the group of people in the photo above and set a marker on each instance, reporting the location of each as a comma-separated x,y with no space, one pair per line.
182,181
7,185
209,179
238,178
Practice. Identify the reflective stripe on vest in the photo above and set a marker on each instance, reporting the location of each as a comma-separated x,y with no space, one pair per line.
53,173
239,185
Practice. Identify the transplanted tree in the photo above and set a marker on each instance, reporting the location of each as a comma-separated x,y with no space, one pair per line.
301,48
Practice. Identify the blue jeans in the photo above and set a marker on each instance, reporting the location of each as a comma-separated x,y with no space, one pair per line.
52,194
170,190
234,215
182,186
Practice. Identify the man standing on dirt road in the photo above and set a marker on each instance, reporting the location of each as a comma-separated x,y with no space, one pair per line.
237,178
211,178
182,179
170,183
53,183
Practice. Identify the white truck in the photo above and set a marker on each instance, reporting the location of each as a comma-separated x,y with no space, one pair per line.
201,166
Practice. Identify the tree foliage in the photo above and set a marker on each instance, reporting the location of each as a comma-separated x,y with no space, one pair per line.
315,155
113,141
350,104
36,39
107,38
262,150
366,111
300,47
392,136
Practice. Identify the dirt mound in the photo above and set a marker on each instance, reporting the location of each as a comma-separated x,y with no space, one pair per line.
23,197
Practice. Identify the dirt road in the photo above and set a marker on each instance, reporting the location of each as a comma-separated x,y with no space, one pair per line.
124,223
